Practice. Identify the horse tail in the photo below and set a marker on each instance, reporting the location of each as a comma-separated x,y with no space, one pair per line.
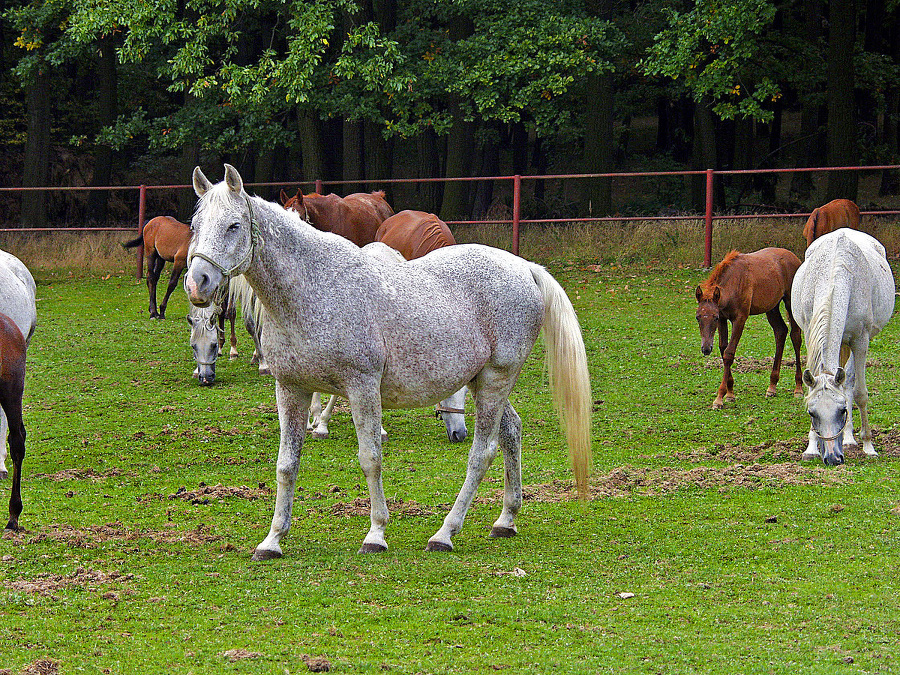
134,242
570,383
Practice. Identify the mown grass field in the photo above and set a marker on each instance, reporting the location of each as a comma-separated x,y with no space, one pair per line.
145,495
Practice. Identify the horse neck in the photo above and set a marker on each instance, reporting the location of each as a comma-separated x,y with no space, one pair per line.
826,329
287,263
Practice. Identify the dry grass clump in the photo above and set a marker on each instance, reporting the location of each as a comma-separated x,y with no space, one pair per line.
77,251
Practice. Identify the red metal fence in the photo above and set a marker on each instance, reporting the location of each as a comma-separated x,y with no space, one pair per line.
709,217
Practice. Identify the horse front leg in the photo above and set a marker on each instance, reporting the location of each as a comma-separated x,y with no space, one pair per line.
861,398
3,427
292,408
11,402
727,381
510,438
779,328
795,342
365,405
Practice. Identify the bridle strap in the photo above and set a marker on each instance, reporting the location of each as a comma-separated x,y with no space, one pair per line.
438,409
831,438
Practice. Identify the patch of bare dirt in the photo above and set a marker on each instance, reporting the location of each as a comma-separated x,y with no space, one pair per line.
41,667
360,507
206,493
316,664
93,535
235,655
628,481
46,584
80,473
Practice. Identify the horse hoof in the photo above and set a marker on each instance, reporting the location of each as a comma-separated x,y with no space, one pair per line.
319,435
372,548
439,546
263,554
731,398
810,456
718,405
770,394
264,371
3,475
498,532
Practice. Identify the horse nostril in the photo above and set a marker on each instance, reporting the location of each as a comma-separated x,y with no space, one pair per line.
706,350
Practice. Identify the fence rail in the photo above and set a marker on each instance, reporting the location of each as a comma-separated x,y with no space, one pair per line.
708,217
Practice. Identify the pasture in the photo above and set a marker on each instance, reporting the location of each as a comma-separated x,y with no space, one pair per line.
706,546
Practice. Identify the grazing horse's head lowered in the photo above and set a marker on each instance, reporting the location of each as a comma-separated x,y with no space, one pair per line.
829,411
226,246
707,317
205,341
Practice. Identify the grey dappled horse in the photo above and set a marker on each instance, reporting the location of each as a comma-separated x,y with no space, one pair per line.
842,296
391,335
17,301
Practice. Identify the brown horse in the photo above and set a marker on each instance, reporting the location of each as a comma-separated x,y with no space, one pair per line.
12,386
355,217
833,215
414,233
165,240
741,285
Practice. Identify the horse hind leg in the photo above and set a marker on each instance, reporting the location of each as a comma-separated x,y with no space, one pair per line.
3,427
484,448
155,266
11,401
177,269
365,405
510,439
779,328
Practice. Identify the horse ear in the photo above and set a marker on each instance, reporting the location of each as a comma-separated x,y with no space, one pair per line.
233,179
808,378
698,292
840,376
201,182
284,197
717,293
190,320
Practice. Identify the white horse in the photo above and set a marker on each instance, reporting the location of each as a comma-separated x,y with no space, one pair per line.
451,410
207,339
17,301
401,335
842,296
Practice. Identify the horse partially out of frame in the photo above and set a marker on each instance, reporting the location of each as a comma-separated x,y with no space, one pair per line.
355,217
829,217
843,295
12,386
391,335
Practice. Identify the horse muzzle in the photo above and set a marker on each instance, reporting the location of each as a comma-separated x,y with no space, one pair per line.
202,281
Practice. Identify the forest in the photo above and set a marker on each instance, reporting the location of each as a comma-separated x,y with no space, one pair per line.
126,92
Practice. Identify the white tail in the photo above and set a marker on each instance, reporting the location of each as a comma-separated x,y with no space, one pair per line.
570,383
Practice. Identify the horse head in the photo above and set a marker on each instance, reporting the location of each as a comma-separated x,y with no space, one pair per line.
708,316
225,236
829,413
205,343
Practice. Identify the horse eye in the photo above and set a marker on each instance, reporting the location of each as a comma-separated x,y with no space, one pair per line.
234,226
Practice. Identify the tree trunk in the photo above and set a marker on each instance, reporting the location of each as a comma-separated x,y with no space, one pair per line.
429,194
599,144
841,131
312,151
489,166
381,158
460,148
890,180
704,156
36,167
108,110
353,167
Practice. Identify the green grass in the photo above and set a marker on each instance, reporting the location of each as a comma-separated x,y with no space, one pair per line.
117,574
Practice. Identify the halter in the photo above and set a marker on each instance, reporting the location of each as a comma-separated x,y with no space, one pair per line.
246,260
438,409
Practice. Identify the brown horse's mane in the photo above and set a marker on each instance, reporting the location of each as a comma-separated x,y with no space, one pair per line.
718,271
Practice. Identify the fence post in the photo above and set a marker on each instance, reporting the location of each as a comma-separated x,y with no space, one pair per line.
707,255
517,211
142,205
319,187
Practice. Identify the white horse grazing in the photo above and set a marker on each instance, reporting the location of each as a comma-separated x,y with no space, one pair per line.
391,336
17,301
842,296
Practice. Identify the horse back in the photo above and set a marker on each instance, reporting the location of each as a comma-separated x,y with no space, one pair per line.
834,215
170,238
415,233
758,281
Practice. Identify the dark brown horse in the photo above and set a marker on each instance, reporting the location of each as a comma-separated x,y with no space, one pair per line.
741,285
414,233
165,240
12,386
355,217
833,215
